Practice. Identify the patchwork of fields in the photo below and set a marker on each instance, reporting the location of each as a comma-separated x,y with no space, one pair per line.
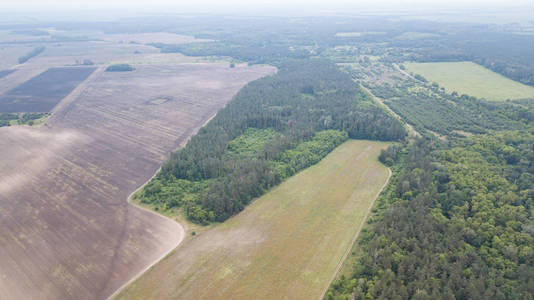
471,79
285,245
66,230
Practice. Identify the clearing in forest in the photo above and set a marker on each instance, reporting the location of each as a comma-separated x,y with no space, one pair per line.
471,79
287,244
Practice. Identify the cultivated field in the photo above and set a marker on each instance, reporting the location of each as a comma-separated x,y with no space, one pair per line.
285,245
471,79
44,91
9,54
4,73
66,230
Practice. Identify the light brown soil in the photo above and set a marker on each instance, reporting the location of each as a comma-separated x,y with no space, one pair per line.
66,229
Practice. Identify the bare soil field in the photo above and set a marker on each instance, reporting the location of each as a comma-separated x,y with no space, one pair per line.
286,244
100,48
44,91
17,78
66,229
4,73
9,54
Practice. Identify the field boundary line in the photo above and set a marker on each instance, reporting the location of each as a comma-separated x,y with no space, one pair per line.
403,72
73,95
360,227
182,232
180,240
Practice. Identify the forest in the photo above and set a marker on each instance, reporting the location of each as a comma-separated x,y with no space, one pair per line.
273,128
456,223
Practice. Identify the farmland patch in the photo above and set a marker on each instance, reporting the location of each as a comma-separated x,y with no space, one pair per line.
66,229
471,79
285,245
43,92
4,73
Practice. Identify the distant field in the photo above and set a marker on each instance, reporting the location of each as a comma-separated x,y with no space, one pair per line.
472,79
358,34
415,35
4,73
9,54
44,91
285,245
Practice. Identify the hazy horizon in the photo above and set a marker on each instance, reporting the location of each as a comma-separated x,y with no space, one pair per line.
475,11
29,5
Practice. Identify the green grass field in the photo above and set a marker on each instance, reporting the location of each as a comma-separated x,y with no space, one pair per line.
471,79
285,245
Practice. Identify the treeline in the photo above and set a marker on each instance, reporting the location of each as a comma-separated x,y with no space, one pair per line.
455,223
36,51
253,53
118,68
20,119
283,123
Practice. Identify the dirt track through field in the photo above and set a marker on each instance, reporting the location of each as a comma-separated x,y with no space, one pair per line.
66,229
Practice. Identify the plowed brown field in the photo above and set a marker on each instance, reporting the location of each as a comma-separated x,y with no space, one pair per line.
66,229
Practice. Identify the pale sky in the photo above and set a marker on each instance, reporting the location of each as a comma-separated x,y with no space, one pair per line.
261,2
45,8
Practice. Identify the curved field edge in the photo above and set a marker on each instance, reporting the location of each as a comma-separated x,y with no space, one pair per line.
176,217
181,233
286,244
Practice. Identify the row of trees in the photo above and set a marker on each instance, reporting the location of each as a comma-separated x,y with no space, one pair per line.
36,51
298,116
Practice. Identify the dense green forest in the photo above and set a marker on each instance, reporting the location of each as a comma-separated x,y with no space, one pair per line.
456,223
273,128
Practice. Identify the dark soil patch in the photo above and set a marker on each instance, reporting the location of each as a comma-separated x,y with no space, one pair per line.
44,91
